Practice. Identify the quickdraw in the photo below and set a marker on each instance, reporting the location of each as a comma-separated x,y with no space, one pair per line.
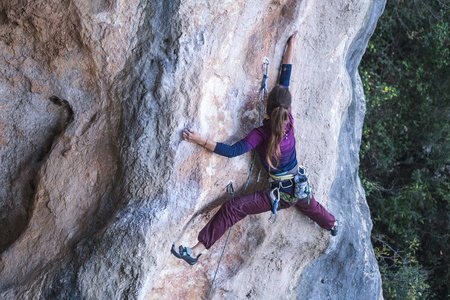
275,199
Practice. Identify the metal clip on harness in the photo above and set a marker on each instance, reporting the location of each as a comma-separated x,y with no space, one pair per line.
275,204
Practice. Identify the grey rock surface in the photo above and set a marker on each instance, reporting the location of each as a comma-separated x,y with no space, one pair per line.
352,251
97,184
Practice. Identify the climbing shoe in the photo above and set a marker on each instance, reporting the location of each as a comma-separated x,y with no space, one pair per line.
334,230
185,254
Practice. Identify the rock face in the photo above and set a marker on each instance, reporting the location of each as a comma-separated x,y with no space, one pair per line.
97,184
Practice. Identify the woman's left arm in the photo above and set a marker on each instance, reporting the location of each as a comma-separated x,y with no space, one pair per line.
288,54
194,137
286,67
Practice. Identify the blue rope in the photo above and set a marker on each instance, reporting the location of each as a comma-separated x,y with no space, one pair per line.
263,96
217,270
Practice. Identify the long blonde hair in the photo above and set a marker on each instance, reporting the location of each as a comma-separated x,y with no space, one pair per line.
278,104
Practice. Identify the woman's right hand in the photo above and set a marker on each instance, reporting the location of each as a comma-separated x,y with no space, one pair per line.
192,136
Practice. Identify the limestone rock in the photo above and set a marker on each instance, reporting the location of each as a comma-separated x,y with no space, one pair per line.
97,184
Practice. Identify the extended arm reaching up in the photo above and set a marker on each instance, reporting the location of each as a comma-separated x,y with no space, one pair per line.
287,58
286,66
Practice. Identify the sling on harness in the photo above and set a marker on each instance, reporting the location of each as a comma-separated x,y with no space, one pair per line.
301,185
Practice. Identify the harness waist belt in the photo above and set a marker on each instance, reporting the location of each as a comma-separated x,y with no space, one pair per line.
288,176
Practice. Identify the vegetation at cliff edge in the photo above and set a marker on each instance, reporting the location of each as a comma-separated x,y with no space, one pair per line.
405,151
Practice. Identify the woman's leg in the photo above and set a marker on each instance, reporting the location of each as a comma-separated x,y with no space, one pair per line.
316,212
232,212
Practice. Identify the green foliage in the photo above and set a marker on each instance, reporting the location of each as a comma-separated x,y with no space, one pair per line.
403,277
405,150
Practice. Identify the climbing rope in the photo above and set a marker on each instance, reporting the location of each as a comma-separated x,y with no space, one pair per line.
230,189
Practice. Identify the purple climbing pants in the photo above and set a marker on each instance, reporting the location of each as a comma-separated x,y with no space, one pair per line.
238,208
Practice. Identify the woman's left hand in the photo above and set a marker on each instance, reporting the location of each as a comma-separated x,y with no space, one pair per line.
192,136
293,38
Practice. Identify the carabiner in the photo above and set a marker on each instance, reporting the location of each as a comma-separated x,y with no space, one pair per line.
274,218
266,66
275,200
230,189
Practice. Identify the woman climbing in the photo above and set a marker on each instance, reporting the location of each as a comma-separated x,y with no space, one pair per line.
275,143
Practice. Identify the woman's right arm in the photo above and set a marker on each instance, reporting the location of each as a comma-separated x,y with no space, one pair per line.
194,137
241,147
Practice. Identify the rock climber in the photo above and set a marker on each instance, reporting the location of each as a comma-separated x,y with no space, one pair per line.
275,143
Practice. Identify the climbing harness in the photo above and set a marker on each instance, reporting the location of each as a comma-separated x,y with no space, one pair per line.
262,97
295,177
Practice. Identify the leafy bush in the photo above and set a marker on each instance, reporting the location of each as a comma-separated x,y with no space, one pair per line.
405,153
403,277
